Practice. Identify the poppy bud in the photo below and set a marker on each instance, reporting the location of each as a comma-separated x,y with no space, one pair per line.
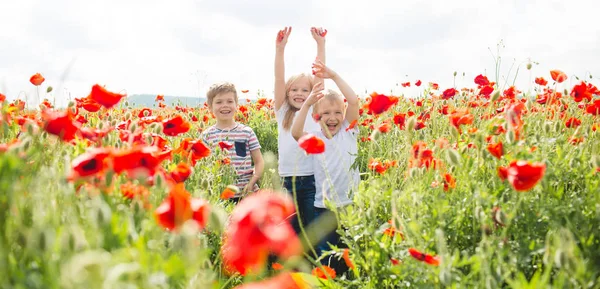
149,139
453,157
49,89
108,177
410,124
133,128
128,115
126,103
21,239
42,241
30,128
529,66
528,104
547,127
510,137
71,104
413,172
557,126
595,161
158,180
455,74
495,95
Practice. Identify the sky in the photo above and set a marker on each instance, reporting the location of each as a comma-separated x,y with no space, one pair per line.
181,47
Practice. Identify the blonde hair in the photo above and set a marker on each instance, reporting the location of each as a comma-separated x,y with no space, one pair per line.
219,88
330,95
289,114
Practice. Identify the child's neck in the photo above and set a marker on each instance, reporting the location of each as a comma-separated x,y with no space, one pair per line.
225,124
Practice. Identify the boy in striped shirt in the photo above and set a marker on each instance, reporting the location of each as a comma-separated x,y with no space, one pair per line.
240,140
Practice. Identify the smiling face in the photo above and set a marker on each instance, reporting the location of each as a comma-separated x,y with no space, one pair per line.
298,91
331,113
224,106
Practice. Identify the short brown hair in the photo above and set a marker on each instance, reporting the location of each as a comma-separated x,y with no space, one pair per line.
219,88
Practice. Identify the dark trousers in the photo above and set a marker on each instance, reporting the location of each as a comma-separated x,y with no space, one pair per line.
332,238
305,197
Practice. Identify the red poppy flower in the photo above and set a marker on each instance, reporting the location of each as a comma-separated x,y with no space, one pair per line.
459,118
434,85
37,79
346,256
541,81
481,80
593,108
418,83
395,261
405,84
104,97
175,126
2,97
137,159
378,166
449,93
558,75
229,192
486,90
90,163
380,103
429,259
311,144
160,97
199,150
259,225
523,175
200,211
225,145
496,149
61,124
352,125
175,209
324,273
181,172
281,281
245,91
572,122
131,191
88,104
384,127
449,182
581,92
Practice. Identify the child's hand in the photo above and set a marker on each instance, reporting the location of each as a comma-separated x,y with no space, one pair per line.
322,71
318,34
282,37
315,94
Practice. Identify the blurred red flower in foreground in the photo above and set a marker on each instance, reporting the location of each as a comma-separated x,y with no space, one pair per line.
257,227
429,259
104,97
281,281
324,273
178,207
311,144
380,103
181,172
558,75
61,124
36,79
522,175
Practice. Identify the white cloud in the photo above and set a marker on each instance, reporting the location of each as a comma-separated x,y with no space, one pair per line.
181,47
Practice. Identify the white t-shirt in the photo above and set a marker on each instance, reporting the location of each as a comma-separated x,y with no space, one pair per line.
334,180
293,161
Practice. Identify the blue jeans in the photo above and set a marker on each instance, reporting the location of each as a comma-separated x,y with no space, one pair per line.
305,197
332,238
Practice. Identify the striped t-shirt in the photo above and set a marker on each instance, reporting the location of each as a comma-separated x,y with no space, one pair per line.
244,141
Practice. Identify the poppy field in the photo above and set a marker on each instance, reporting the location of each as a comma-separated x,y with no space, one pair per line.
484,186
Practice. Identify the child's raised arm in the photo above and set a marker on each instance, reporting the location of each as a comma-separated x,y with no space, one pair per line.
319,35
323,71
280,42
298,125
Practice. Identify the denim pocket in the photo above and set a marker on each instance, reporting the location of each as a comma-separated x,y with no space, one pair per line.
240,148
